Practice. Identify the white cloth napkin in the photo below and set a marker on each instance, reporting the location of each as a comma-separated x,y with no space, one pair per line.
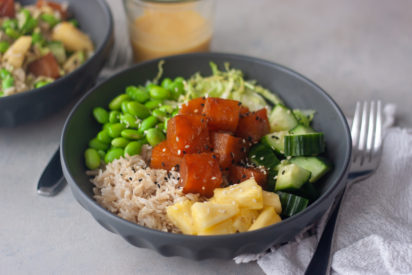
374,230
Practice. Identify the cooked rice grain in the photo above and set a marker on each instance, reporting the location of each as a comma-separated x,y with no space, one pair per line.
135,192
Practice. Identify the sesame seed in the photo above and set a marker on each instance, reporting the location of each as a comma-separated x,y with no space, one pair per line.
187,146
253,156
164,150
262,158
179,152
177,139
213,178
203,188
196,111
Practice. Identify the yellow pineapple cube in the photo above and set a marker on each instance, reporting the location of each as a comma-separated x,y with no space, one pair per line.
247,194
181,215
207,214
267,217
272,199
225,227
244,219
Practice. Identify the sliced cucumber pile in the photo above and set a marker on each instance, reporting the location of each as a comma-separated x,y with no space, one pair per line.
291,156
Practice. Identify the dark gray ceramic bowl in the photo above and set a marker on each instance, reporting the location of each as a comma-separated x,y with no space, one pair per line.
95,19
297,92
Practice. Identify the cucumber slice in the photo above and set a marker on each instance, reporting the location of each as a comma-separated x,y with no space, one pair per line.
307,191
261,154
292,204
316,165
291,176
304,145
282,119
301,130
276,141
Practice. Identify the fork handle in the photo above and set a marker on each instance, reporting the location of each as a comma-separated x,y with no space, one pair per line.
320,262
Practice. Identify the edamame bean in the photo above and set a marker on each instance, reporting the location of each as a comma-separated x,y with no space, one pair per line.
123,106
116,102
158,92
113,153
9,23
40,84
166,108
37,38
50,19
138,93
12,33
133,148
8,82
98,145
114,116
129,120
92,158
131,134
159,114
148,123
177,88
104,136
115,129
166,83
179,79
4,73
137,109
152,104
120,142
101,115
4,46
106,126
102,153
155,136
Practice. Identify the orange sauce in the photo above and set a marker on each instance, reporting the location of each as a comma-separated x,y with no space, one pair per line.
163,30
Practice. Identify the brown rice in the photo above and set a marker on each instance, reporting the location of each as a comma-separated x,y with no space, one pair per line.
137,193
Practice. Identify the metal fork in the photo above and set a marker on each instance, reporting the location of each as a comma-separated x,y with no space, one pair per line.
366,134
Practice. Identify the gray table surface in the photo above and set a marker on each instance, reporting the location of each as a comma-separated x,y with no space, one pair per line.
355,50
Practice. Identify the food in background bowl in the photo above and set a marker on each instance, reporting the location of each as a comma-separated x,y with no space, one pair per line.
38,44
226,166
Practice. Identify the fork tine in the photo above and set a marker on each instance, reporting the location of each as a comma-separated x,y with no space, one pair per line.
371,127
364,122
378,131
355,125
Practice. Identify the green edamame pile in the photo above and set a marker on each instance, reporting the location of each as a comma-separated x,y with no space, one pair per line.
136,117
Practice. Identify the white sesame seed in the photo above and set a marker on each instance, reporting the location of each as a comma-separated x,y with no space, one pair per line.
203,188
262,158
196,110
187,146
164,150
213,178
179,152
254,156
177,139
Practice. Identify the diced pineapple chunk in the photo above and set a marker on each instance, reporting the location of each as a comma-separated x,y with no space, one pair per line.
207,214
244,219
225,227
272,199
180,214
247,194
17,51
267,217
72,38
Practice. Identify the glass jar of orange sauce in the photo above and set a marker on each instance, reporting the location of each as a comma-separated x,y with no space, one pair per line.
165,27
